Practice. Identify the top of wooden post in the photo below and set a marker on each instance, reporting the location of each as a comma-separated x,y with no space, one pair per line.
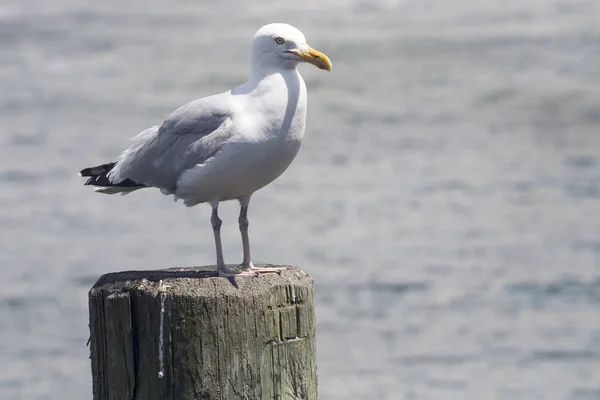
193,279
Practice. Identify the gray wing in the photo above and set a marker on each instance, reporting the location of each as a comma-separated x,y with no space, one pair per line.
189,136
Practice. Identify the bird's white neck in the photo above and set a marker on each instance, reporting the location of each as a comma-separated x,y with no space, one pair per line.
282,94
262,80
258,73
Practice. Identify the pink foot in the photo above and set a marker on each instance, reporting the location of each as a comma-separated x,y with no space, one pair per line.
256,271
252,271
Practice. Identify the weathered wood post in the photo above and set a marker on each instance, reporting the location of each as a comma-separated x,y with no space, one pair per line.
186,334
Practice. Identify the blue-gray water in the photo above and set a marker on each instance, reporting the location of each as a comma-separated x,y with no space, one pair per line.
446,198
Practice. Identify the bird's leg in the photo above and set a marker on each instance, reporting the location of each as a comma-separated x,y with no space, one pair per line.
216,225
247,267
243,222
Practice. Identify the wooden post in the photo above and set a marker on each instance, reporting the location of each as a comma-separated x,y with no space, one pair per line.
186,334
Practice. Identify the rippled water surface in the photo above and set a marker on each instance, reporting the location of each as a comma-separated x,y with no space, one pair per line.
446,198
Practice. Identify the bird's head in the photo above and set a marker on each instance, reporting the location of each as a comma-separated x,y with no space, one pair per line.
282,45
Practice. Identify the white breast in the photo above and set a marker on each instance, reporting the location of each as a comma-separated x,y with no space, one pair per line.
271,131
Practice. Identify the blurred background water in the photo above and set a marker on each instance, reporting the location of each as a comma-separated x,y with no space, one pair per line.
446,198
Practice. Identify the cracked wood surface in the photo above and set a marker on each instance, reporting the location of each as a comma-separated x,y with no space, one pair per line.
223,339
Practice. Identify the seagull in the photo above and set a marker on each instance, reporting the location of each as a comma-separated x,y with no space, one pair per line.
225,146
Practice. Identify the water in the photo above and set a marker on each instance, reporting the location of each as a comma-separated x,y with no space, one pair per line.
446,199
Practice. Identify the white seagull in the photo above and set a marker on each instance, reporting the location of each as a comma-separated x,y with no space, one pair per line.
226,146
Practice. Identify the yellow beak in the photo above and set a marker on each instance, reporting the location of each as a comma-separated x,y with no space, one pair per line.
316,58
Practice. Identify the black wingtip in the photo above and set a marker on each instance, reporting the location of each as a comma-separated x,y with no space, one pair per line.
98,176
98,170
86,172
90,181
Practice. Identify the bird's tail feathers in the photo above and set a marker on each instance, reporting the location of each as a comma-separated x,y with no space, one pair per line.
98,177
116,189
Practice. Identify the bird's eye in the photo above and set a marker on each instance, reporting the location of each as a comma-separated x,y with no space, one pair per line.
279,40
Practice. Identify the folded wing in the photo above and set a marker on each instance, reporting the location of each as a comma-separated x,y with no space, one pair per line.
189,136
